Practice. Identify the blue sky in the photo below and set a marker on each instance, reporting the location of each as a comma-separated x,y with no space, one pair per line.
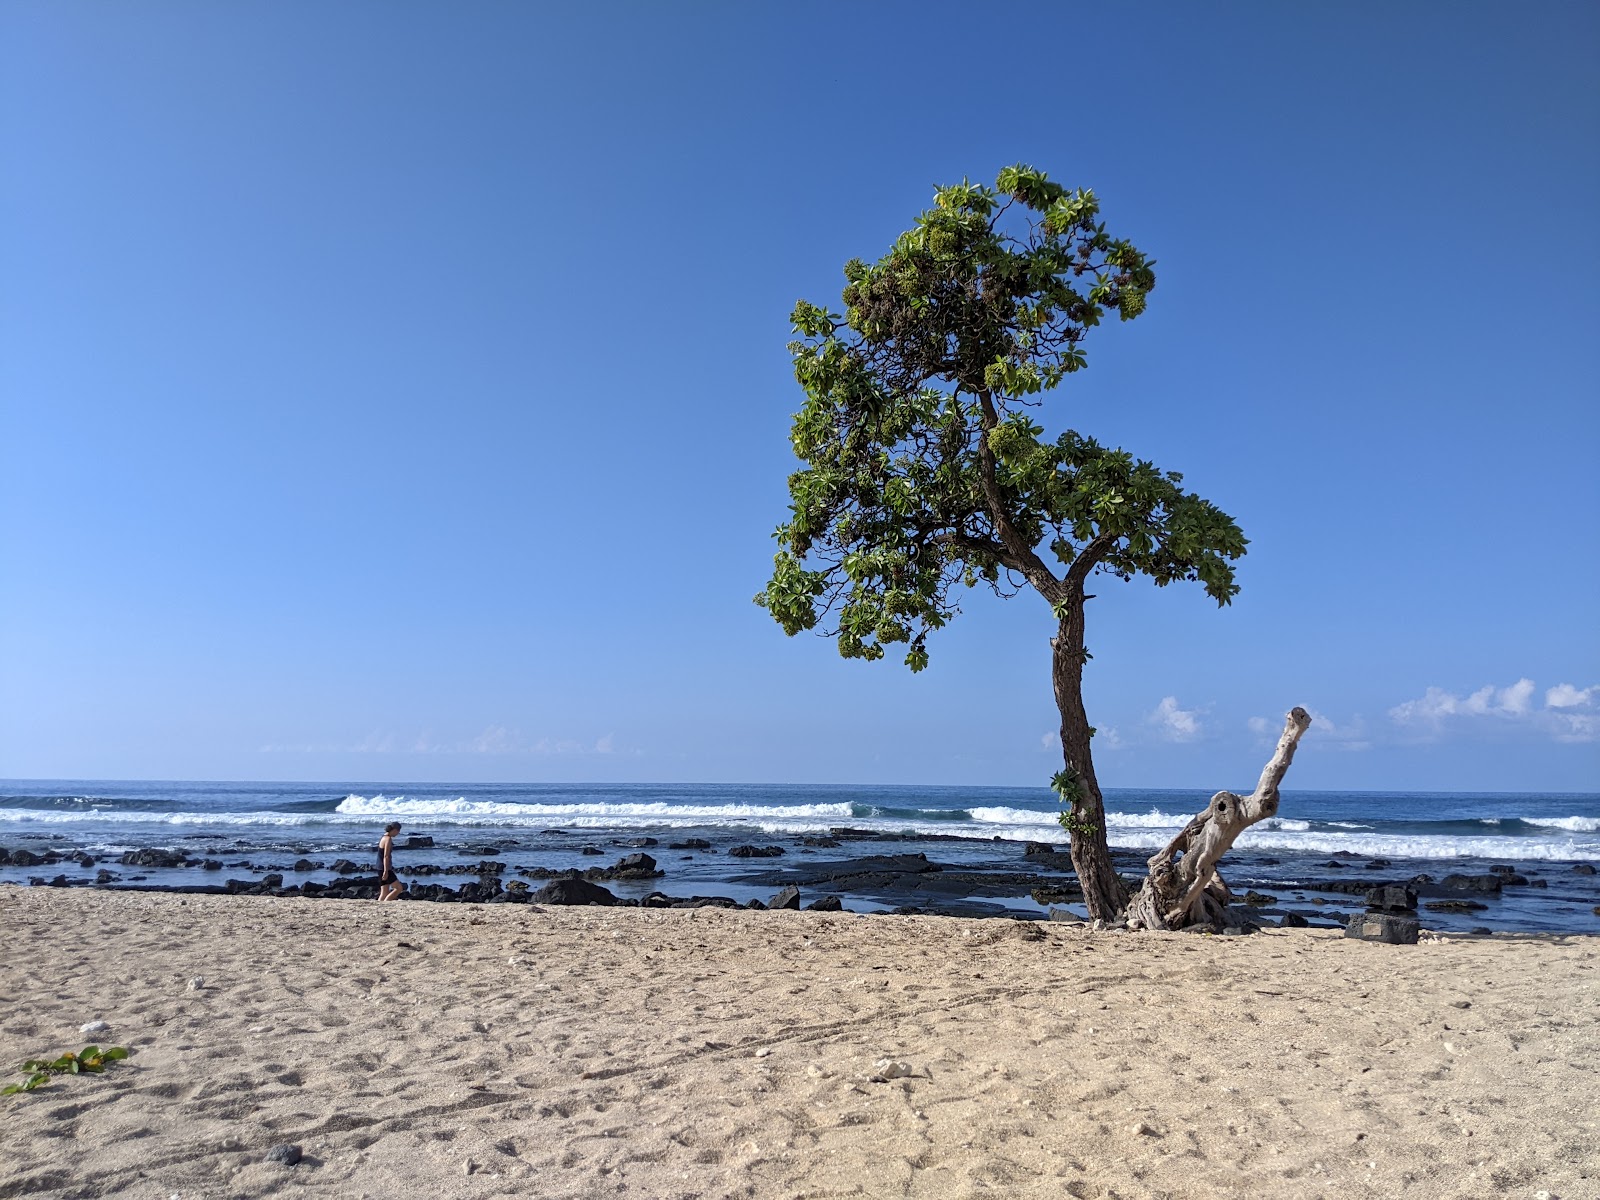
399,391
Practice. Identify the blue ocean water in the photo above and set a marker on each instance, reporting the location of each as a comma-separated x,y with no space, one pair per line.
546,825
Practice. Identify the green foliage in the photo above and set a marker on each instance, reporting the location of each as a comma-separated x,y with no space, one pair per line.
91,1059
1069,789
922,471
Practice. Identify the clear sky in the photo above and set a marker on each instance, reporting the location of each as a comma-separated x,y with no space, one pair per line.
398,391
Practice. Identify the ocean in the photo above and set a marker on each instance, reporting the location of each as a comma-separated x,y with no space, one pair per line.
1302,857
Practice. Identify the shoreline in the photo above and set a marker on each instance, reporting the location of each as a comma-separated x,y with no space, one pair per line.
1011,878
567,1052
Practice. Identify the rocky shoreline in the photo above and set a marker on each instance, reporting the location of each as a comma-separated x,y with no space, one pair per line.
902,883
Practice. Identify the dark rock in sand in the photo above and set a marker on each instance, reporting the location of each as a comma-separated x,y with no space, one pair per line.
485,889
1487,882
573,891
690,844
788,898
1392,897
755,851
1390,928
272,881
284,1155
1293,921
152,858
1454,906
825,904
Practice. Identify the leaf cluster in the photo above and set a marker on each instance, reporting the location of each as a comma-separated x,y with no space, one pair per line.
921,470
91,1059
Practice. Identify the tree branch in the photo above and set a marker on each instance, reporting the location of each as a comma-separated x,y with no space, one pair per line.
1029,563
1188,891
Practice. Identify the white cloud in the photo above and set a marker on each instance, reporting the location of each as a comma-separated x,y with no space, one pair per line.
1175,724
1567,714
1436,704
1564,695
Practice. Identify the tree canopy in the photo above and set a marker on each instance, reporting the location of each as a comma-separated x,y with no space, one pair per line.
924,471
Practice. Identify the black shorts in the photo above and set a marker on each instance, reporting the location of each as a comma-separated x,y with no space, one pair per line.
391,877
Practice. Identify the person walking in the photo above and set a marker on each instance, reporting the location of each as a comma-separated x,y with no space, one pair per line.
389,885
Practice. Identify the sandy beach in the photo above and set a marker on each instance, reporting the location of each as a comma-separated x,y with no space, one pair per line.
424,1050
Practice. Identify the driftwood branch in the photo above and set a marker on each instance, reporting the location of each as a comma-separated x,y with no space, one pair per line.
1183,887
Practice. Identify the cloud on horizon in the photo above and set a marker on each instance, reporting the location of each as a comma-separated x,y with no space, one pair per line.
1569,713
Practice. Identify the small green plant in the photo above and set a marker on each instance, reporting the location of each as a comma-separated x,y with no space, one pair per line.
90,1058
1066,786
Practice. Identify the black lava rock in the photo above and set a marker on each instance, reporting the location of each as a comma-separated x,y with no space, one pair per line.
1390,928
152,858
1487,882
756,851
285,1155
1392,897
788,898
573,891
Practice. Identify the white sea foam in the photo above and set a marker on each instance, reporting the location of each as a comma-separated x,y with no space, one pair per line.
1382,845
599,811
1570,824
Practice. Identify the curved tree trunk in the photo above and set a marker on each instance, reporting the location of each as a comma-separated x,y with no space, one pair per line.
1103,892
1185,891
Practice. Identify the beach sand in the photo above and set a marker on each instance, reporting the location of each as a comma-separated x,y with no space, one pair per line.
421,1050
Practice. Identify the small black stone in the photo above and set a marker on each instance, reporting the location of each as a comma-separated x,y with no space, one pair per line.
286,1154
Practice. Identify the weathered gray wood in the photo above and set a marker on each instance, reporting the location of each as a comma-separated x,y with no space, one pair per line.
1183,887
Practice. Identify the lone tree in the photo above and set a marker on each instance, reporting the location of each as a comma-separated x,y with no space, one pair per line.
923,469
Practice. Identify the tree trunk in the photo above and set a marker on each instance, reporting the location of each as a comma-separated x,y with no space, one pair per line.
1103,892
1185,891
